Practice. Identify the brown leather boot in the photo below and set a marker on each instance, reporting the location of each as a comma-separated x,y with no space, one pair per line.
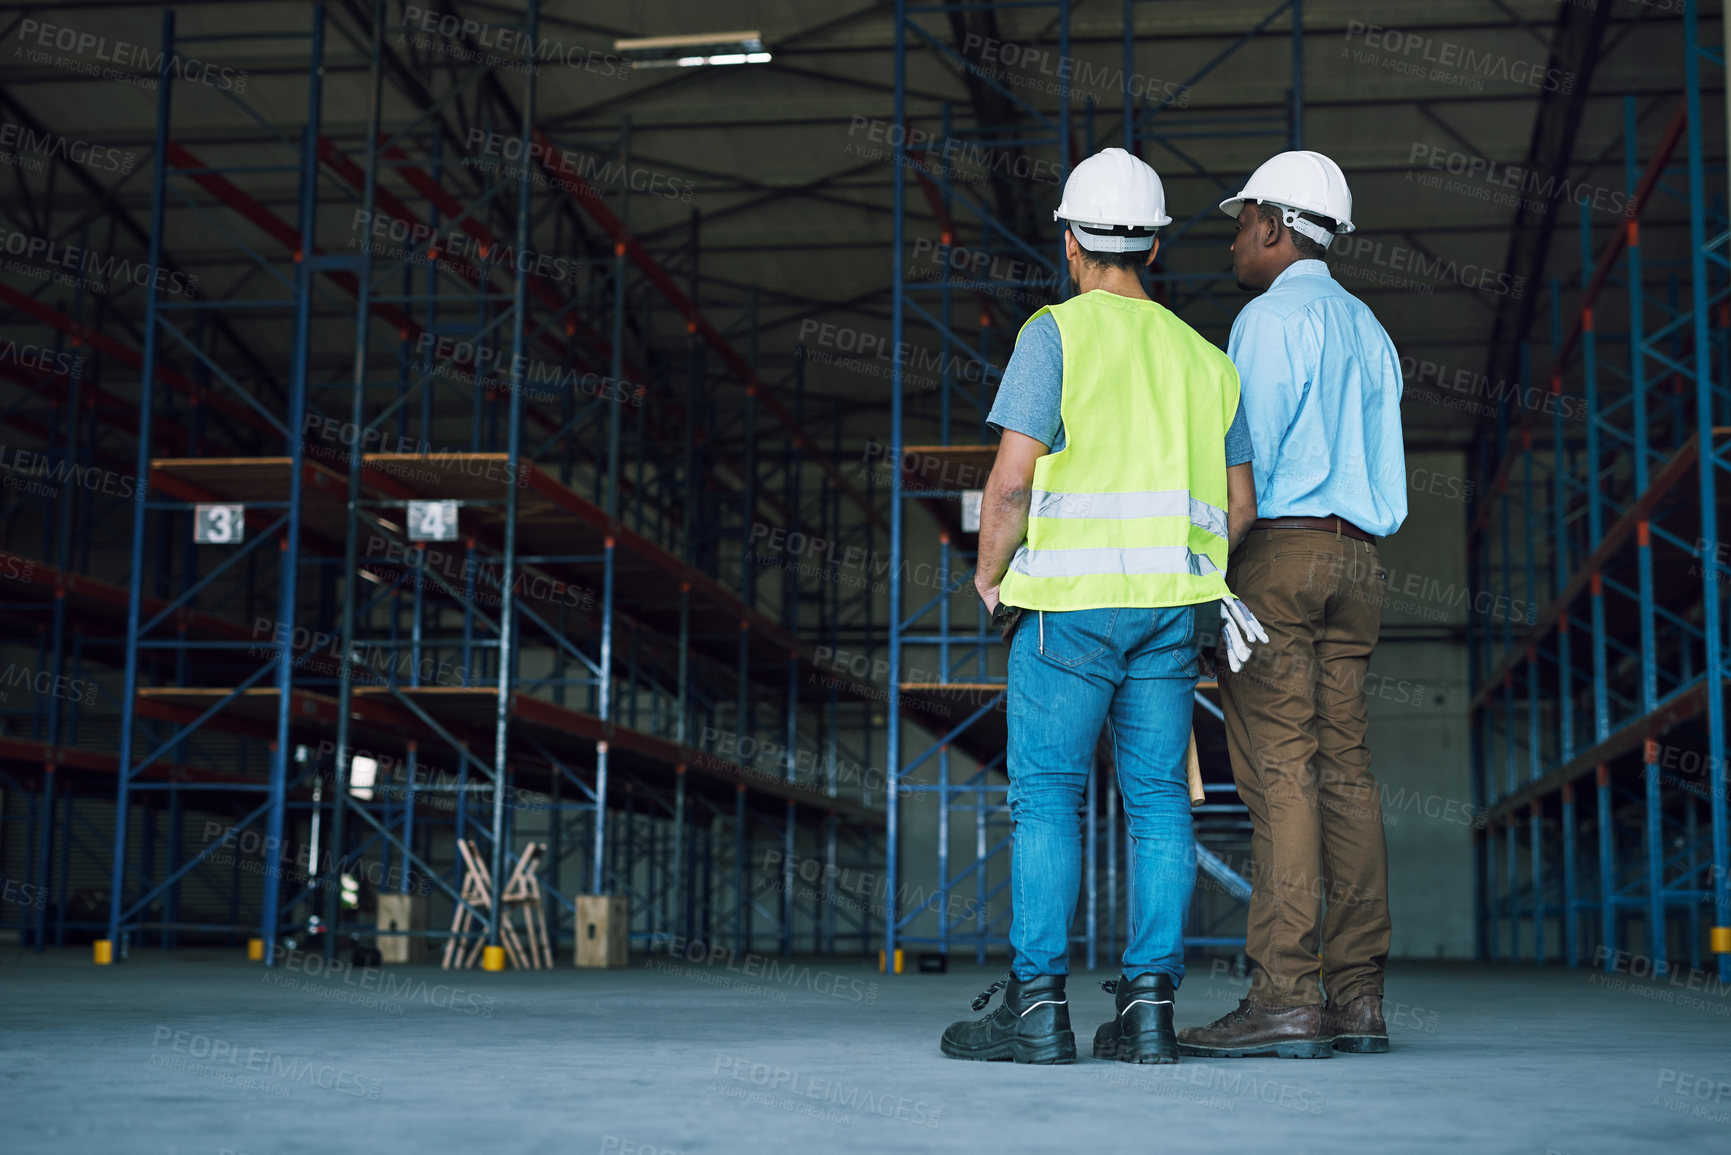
1356,1025
1254,1031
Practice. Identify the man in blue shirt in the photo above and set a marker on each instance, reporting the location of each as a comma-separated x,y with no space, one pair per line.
1321,391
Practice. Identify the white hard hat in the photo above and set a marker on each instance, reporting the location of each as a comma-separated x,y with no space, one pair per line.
1299,182
1113,201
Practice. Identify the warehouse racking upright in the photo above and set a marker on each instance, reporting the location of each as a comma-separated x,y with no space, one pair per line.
71,423
1600,718
591,542
1169,124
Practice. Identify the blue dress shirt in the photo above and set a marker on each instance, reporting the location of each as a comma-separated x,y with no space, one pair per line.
1321,388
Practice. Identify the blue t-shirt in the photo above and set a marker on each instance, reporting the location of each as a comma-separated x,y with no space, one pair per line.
1030,394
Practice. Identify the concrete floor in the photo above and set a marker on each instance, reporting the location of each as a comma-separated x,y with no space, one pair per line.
202,1052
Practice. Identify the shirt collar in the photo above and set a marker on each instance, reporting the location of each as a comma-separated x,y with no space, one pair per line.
1308,267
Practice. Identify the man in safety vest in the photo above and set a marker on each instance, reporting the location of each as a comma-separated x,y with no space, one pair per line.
1122,480
1322,389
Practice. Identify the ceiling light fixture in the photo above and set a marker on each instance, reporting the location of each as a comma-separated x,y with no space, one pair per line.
694,51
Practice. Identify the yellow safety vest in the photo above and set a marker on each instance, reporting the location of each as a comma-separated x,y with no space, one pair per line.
1132,511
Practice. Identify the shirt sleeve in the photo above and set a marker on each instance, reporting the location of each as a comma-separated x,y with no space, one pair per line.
1272,380
1030,396
1238,447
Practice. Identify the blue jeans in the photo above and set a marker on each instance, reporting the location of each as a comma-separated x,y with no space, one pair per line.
1133,671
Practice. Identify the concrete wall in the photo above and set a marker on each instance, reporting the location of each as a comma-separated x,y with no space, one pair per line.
1419,736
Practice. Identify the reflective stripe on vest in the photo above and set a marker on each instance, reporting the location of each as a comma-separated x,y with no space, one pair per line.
1132,511
1123,506
1172,559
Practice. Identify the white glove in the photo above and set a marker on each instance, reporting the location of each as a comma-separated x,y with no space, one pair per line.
1238,626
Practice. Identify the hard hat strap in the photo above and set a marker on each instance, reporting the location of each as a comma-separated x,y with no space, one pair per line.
1113,238
1115,230
1289,216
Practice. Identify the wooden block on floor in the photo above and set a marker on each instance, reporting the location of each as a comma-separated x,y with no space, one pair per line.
403,912
603,930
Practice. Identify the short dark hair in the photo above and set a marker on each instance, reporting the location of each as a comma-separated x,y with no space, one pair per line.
1305,246
1130,262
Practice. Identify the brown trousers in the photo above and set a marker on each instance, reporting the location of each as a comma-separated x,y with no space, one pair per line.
1295,727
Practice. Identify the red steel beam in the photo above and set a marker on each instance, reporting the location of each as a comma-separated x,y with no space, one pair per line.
424,183
275,227
1625,527
289,237
553,159
346,168
82,334
68,759
1620,239
87,594
1601,274
947,227
114,411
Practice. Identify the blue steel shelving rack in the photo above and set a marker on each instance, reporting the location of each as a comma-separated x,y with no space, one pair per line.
67,762
140,633
692,862
976,795
1145,123
1610,529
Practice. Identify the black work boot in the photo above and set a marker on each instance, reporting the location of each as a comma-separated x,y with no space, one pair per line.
1032,1025
1141,1032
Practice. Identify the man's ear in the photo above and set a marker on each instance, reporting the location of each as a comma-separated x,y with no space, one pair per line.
1269,228
1153,249
1071,248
